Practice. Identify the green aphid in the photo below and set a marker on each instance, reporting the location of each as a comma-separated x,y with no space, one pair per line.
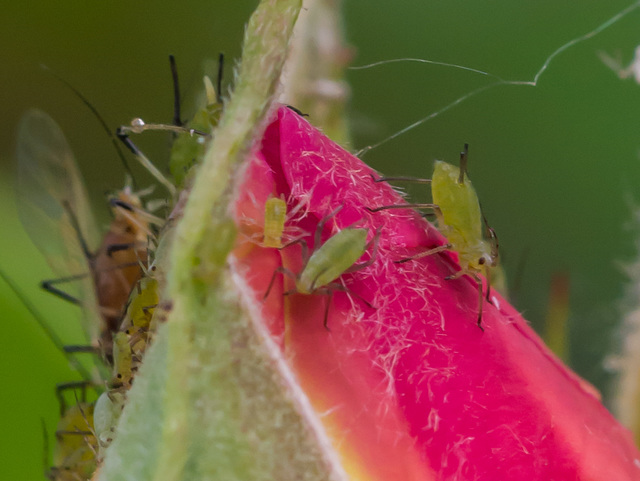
75,447
74,453
275,215
275,233
460,219
189,141
188,149
328,261
106,414
122,360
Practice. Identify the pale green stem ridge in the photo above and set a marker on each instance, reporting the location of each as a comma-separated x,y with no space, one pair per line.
215,399
202,438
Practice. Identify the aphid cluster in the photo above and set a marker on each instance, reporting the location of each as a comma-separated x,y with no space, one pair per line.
456,207
328,261
117,295
119,292
111,276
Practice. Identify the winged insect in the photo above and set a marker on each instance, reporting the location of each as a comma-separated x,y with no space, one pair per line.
55,211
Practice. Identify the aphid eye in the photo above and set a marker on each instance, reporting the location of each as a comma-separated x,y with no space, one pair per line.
482,260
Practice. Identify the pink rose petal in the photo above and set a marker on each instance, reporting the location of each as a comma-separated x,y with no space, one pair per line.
413,389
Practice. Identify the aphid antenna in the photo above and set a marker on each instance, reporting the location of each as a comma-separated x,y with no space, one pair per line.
219,78
49,285
49,332
213,93
97,115
176,91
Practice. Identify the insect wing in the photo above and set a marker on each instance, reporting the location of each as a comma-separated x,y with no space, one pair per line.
50,190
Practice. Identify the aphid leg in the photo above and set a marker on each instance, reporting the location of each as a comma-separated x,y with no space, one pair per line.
401,179
402,206
480,299
328,300
67,386
303,245
478,280
50,333
342,288
439,217
281,270
495,252
76,349
318,236
362,265
328,292
487,274
430,252
49,286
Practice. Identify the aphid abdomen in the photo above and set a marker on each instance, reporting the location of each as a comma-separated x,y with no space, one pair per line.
275,214
458,203
74,456
144,303
332,259
122,360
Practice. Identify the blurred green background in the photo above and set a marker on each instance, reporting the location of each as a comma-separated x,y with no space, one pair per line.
556,166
